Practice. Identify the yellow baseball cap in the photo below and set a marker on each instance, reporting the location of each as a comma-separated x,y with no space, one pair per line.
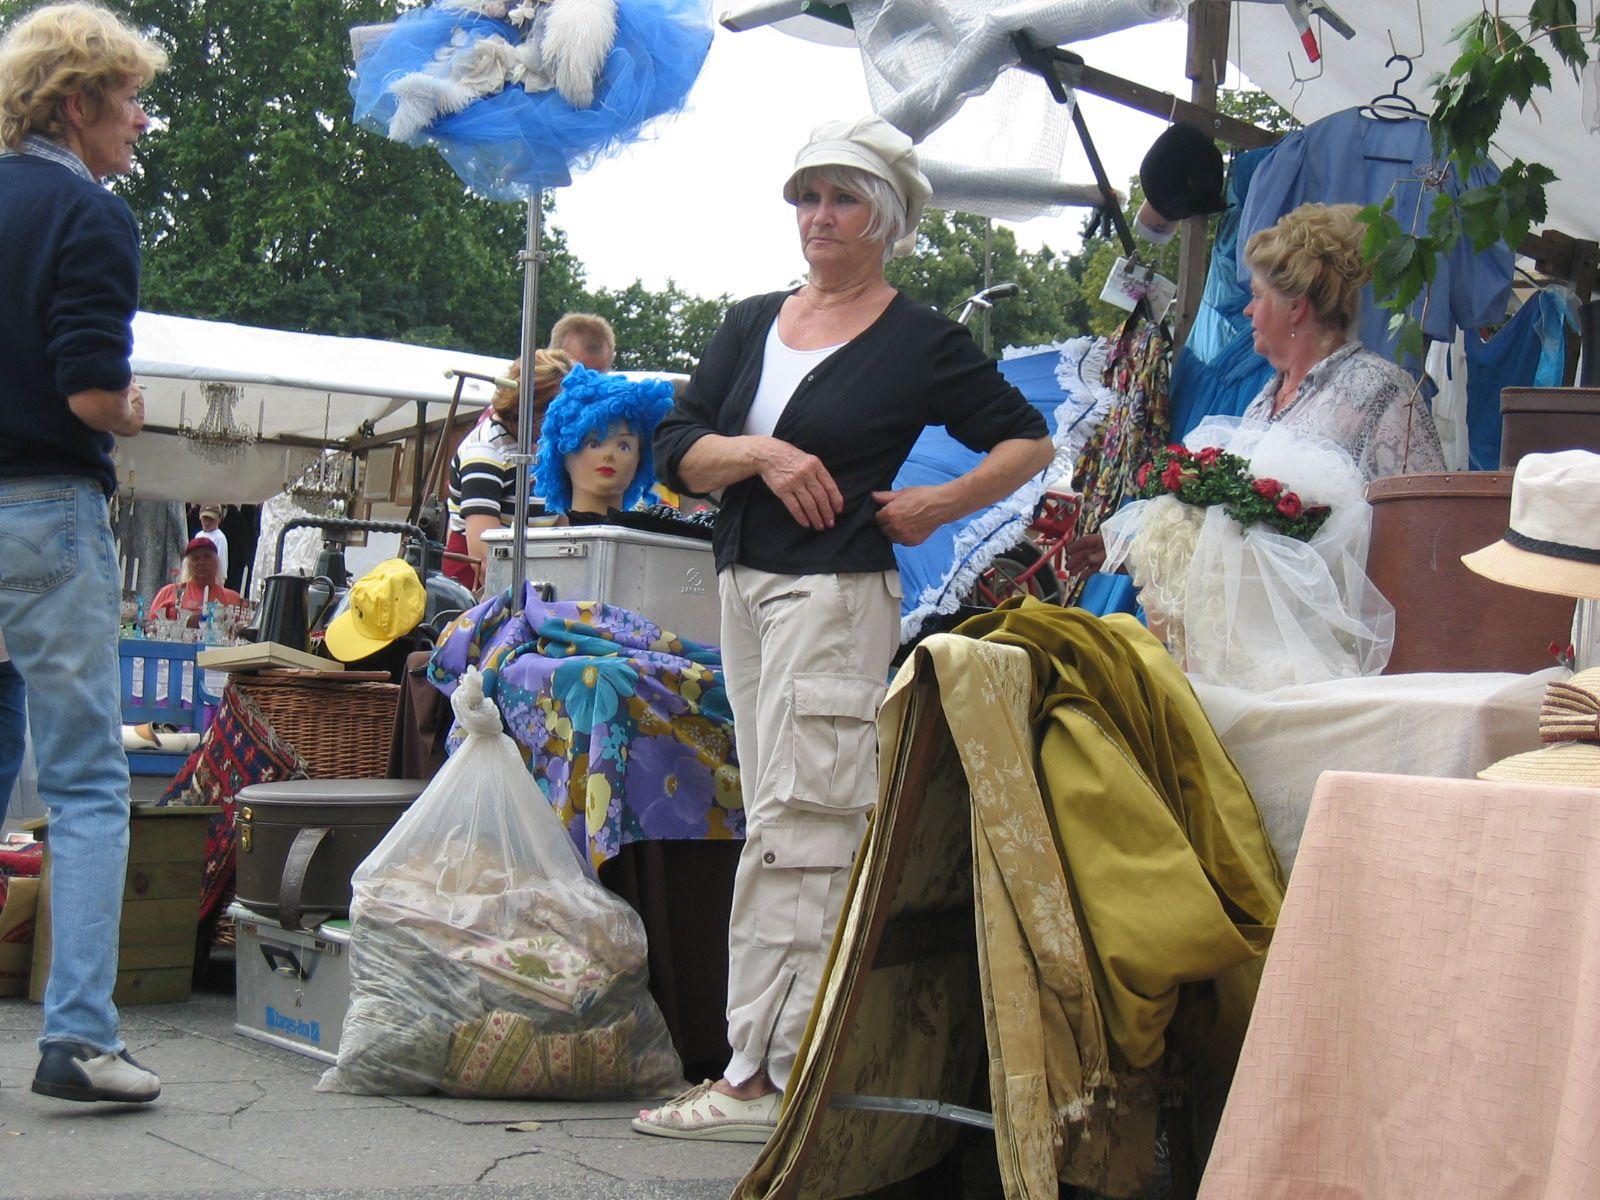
385,603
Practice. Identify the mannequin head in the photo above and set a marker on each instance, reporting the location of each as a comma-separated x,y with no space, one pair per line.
594,449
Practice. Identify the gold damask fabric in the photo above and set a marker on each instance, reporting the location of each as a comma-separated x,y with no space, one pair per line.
1174,881
1129,898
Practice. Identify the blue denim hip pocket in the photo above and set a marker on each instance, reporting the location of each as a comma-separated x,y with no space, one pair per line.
38,540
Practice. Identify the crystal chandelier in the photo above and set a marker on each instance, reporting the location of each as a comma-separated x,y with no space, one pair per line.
218,438
324,486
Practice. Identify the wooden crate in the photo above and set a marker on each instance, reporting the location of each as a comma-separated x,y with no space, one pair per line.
160,907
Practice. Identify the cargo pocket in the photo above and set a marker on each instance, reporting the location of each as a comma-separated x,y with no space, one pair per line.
800,860
830,750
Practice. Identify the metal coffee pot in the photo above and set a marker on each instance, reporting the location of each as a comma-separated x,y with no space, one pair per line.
285,605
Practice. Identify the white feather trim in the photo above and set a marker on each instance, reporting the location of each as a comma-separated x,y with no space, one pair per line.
578,36
459,74
1029,351
489,8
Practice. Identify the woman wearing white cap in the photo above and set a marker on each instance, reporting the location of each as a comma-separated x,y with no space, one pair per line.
803,407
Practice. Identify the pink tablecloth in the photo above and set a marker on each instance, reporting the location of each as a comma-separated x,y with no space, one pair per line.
1428,1025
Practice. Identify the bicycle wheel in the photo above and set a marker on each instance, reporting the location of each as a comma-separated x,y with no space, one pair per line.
1002,579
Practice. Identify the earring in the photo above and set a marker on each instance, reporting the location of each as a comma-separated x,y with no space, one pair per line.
1291,332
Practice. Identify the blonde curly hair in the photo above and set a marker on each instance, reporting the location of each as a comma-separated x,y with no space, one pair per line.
61,50
1315,252
550,367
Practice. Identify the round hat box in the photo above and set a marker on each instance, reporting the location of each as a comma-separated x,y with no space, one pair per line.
1536,420
299,841
1448,618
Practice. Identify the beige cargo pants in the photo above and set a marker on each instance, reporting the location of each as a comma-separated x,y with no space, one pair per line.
806,659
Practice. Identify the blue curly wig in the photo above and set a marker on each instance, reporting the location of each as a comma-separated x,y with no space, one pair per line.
591,403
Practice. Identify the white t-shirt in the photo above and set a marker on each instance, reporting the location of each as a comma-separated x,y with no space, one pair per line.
220,540
782,369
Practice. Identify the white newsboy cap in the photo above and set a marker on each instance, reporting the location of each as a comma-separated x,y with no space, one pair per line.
1553,544
872,145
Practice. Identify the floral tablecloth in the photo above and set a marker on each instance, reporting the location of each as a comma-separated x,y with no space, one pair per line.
625,726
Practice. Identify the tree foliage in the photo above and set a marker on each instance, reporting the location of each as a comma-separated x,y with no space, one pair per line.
948,267
661,331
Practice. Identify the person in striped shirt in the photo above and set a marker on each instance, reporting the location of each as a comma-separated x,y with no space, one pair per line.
482,480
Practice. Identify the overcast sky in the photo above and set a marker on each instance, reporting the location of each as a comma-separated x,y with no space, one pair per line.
699,201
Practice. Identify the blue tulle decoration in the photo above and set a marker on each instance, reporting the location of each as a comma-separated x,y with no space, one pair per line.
509,145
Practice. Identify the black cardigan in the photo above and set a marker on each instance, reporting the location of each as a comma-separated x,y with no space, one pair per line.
860,412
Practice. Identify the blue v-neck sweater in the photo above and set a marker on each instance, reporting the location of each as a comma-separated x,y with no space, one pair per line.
69,286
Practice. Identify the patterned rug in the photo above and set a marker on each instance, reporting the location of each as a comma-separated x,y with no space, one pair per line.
239,749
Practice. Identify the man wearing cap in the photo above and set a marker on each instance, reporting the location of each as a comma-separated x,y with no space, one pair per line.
210,520
199,583
801,412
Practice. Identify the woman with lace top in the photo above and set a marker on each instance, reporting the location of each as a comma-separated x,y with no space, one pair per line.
1306,278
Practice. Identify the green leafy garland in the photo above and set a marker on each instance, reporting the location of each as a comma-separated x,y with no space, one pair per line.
1500,63
1213,476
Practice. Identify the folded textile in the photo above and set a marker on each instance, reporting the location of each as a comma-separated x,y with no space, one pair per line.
1173,877
625,726
506,1055
239,748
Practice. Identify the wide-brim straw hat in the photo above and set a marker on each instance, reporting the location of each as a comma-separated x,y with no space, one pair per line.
1569,720
1553,543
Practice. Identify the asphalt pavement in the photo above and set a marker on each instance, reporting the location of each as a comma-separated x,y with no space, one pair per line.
239,1119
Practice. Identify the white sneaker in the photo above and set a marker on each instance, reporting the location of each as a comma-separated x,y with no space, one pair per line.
73,1071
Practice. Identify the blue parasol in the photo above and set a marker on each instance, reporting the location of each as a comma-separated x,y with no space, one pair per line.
516,95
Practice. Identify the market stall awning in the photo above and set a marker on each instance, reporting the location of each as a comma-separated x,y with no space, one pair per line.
292,387
1266,47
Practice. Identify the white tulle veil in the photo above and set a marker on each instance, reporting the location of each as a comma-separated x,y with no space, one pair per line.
1253,608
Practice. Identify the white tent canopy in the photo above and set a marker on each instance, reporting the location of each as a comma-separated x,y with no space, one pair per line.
291,384
1266,48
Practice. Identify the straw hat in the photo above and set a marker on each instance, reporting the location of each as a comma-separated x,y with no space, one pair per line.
1553,544
1569,720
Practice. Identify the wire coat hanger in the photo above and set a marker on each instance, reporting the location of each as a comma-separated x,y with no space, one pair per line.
1394,106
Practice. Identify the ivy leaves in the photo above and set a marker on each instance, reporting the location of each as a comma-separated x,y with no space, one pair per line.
1499,63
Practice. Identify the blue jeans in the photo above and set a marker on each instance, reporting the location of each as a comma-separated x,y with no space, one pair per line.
13,731
60,600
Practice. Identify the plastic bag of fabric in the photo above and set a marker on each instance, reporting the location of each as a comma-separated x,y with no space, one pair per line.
486,960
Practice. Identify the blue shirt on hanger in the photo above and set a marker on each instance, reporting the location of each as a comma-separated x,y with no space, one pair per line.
1348,158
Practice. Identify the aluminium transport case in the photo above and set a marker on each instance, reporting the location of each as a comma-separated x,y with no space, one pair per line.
292,988
667,579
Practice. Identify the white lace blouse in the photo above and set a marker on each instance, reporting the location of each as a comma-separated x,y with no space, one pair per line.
1364,403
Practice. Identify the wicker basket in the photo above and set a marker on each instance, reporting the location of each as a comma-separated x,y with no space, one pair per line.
341,723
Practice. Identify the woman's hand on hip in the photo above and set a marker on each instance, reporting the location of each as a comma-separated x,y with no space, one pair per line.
801,482
910,514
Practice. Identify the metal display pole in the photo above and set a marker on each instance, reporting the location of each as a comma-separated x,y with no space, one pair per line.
523,459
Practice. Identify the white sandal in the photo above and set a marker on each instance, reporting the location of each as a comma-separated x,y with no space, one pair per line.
703,1114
